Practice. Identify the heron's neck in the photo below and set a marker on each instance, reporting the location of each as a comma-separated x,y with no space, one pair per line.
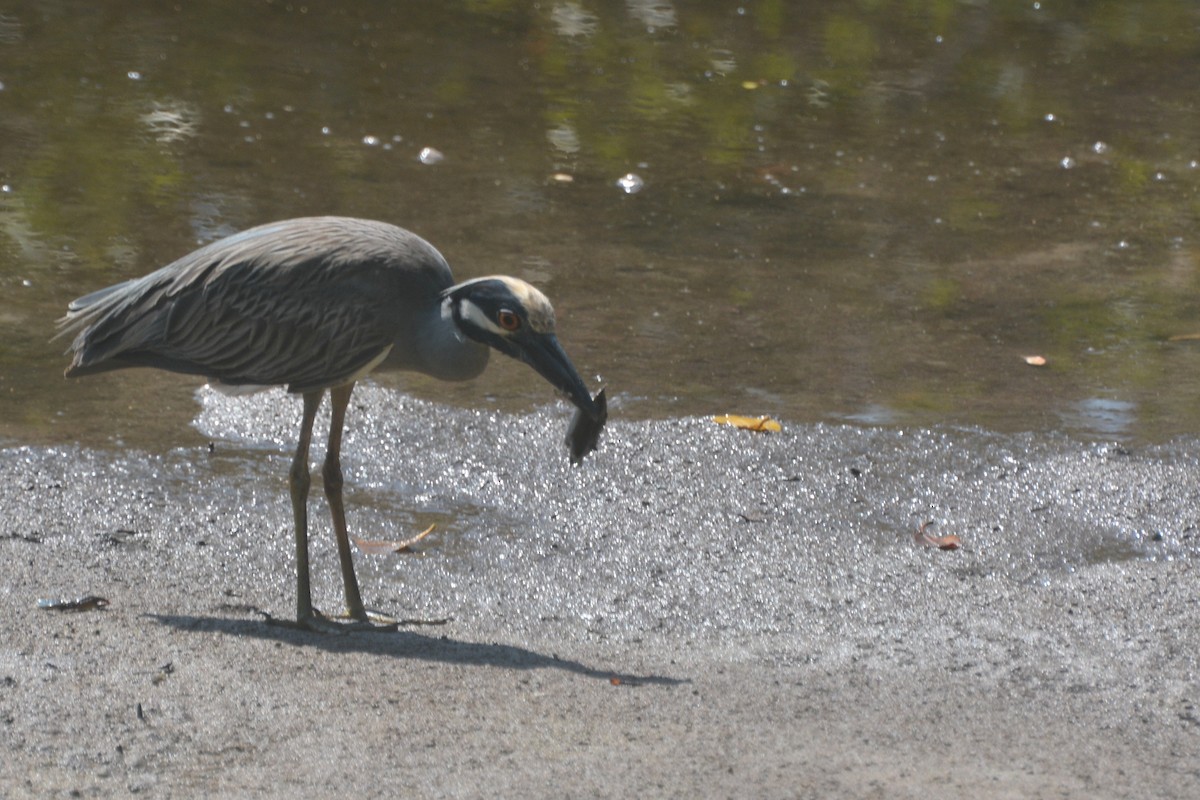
444,352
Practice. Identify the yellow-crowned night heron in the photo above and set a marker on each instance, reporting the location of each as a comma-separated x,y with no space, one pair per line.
316,304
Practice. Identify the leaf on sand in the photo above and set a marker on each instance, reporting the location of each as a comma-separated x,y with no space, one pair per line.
926,539
1035,361
1184,337
761,424
378,547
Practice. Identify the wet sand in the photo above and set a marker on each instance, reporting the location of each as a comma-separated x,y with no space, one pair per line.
696,612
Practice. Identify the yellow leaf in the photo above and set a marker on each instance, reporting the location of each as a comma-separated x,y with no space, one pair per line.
761,424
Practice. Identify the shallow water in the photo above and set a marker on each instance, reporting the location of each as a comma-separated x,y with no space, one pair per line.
845,214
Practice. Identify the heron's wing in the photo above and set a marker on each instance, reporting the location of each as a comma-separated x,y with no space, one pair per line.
314,328
304,305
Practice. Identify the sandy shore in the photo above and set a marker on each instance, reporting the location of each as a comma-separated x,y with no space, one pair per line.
697,612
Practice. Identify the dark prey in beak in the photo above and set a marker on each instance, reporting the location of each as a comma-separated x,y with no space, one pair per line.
584,432
547,357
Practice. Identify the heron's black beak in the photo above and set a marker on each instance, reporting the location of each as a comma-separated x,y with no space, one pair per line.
545,354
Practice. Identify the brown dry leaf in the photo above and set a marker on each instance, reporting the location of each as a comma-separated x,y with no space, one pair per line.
947,542
760,424
1035,361
378,547
1184,337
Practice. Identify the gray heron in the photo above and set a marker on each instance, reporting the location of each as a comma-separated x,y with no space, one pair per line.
314,304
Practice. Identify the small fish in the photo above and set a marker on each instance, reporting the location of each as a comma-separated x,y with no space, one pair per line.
584,432
86,603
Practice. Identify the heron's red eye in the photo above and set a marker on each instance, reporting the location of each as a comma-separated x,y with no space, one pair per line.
508,320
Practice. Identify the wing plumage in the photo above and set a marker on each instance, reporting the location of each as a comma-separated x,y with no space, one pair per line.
309,303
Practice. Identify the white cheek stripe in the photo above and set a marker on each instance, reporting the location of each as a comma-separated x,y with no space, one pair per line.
475,314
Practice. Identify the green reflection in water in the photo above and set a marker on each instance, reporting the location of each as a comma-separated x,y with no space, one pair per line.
847,206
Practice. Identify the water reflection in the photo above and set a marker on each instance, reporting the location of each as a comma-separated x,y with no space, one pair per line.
874,414
1109,417
841,209
571,20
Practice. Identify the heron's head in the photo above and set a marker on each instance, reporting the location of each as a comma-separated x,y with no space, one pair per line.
516,319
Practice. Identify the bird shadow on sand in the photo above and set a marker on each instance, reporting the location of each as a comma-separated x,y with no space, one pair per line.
407,644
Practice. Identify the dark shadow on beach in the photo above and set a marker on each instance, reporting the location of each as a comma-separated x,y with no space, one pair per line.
407,644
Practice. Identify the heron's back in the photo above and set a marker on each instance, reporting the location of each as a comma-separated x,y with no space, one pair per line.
308,302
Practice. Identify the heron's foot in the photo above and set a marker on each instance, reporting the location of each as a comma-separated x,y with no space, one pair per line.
367,621
319,623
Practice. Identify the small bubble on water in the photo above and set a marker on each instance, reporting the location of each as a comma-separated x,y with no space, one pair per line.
1067,162
1099,148
1159,176
1123,244
5,188
1050,118
430,155
370,141
228,109
630,183
324,130
26,282
133,75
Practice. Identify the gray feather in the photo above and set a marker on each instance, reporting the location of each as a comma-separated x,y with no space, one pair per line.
307,303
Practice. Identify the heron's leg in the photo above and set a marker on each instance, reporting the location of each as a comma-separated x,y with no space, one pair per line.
339,398
299,480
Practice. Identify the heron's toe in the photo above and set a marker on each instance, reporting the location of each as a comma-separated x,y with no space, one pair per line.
367,621
319,623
